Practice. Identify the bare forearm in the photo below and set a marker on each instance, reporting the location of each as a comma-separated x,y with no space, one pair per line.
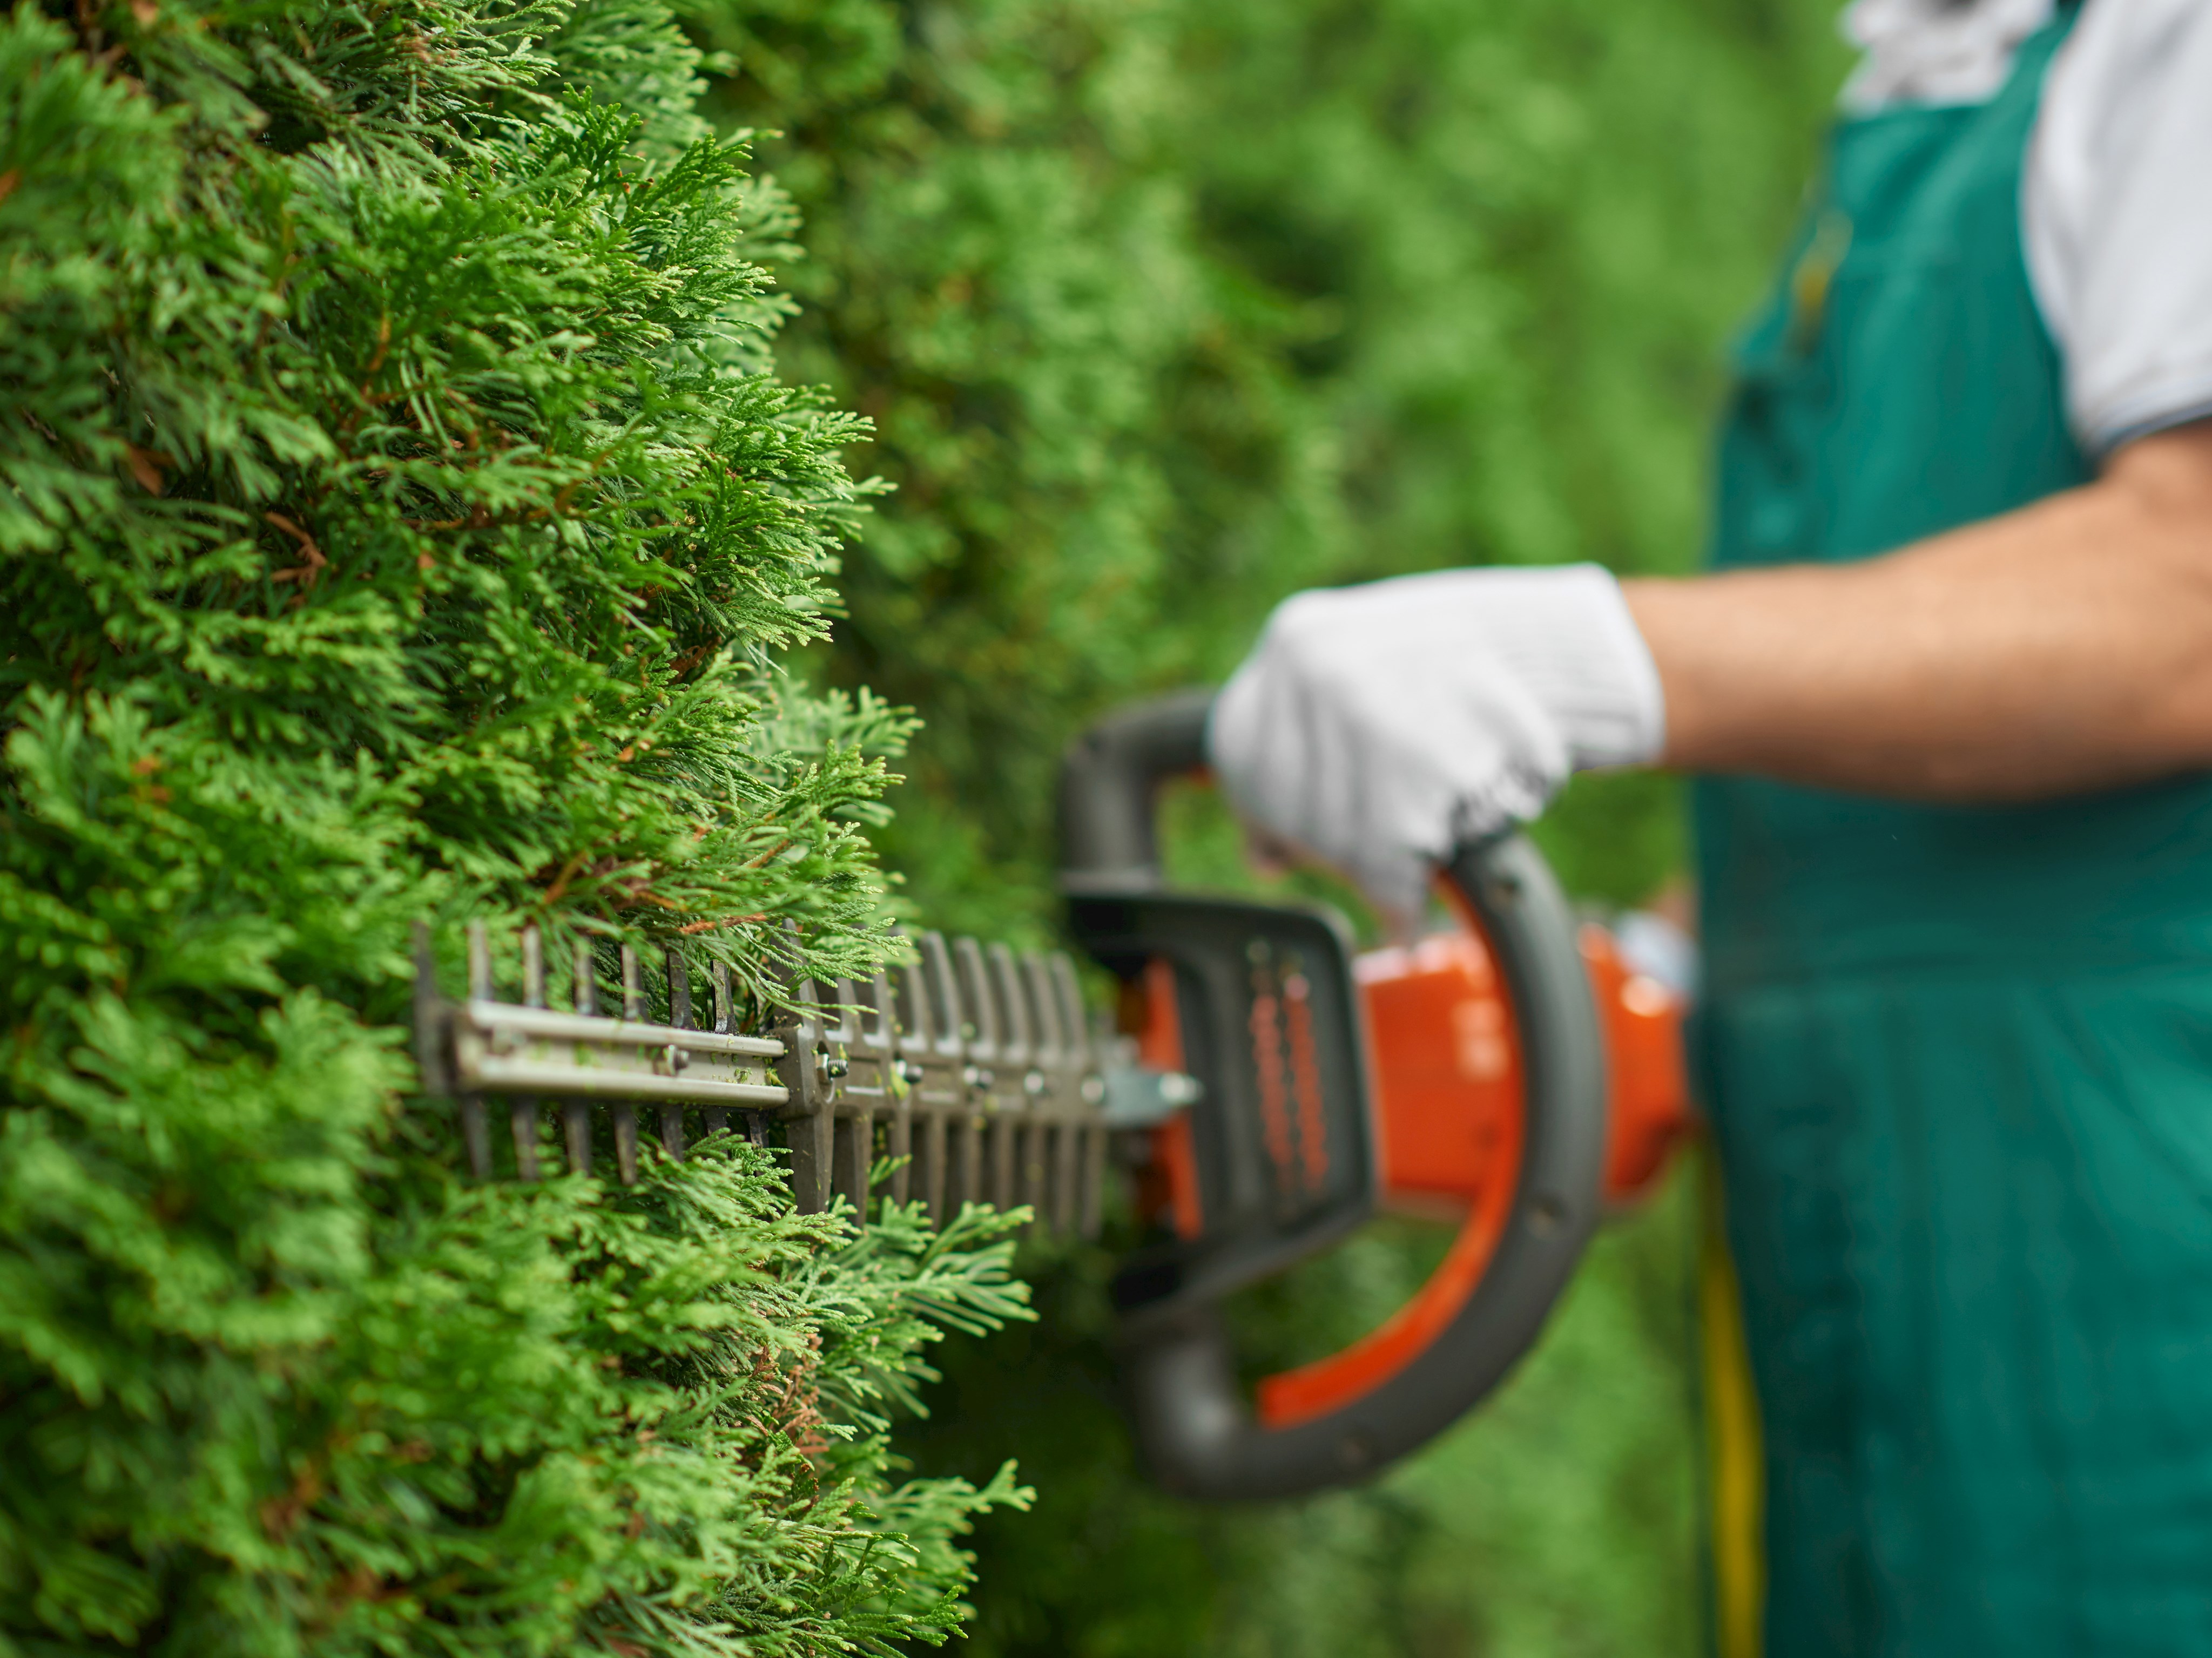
2064,648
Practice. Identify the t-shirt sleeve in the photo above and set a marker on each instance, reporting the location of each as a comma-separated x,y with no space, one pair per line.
2117,217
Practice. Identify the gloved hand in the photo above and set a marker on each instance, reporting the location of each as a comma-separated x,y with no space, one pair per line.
1376,727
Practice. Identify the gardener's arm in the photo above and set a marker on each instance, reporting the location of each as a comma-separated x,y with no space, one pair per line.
2064,647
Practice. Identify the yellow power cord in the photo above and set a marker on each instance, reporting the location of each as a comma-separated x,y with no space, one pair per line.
1735,1470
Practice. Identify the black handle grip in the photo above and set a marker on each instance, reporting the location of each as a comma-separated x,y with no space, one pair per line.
1108,782
1197,1435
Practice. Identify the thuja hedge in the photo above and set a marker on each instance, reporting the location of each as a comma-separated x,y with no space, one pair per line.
402,522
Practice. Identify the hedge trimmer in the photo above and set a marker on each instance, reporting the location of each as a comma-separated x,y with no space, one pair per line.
1266,1091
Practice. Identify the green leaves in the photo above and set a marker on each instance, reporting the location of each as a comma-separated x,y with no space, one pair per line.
399,519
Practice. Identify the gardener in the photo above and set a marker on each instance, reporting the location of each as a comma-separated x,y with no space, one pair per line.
1950,690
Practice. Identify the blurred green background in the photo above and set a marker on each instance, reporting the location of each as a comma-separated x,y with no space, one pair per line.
1164,309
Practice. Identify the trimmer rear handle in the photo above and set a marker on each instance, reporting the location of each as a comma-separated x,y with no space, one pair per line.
1109,781
1450,1345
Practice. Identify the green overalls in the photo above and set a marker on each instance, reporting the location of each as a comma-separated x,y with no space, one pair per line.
1958,1061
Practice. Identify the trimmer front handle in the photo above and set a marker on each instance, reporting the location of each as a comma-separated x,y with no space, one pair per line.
1285,1149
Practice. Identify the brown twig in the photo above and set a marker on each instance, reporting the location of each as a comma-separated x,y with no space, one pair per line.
316,563
568,874
383,345
728,920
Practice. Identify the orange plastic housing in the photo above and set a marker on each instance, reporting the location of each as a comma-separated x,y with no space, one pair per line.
1449,1120
1167,1182
1448,1101
1448,1072
1648,1103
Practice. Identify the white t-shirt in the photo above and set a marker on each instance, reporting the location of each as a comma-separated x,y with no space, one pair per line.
2116,197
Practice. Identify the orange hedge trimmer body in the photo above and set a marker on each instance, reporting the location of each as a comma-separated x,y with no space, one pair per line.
1447,1112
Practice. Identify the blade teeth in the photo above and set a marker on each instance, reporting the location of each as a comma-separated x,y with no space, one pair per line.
963,1066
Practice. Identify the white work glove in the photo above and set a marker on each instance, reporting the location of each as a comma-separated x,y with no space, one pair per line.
1377,727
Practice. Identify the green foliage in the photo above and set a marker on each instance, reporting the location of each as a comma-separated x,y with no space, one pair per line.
1096,451
401,520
